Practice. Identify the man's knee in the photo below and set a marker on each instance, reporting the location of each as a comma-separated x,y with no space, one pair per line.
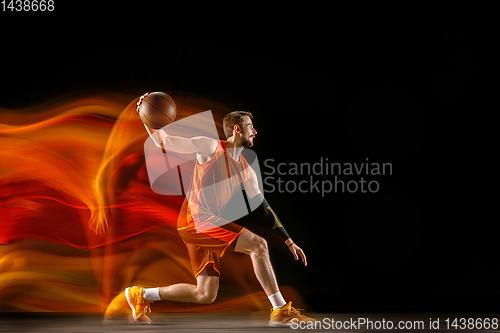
208,287
251,244
259,246
207,297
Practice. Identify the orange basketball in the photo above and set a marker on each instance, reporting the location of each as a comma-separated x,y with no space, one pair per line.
157,110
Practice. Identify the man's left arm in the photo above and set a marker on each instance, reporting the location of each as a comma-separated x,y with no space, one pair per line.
260,207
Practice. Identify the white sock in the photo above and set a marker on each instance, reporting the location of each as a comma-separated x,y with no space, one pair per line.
152,294
277,300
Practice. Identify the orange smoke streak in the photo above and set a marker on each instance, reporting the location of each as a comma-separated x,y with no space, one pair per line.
79,221
84,161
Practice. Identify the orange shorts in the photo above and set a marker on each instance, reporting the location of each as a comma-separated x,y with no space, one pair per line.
206,247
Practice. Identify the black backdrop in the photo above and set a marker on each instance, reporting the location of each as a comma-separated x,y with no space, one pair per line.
411,95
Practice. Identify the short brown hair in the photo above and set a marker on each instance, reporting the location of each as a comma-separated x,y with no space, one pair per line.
234,118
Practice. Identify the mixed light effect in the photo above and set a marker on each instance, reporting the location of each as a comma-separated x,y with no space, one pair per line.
78,219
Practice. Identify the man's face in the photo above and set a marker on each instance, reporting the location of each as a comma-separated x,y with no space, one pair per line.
248,132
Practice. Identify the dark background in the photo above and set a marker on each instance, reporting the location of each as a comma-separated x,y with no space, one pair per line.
413,95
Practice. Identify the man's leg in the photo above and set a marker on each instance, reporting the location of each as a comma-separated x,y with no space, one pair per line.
139,298
256,247
205,266
204,292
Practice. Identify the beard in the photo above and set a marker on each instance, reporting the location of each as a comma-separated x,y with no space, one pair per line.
247,143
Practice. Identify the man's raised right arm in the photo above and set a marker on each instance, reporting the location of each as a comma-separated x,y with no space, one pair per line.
199,144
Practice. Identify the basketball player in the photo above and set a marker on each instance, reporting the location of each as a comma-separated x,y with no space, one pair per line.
220,171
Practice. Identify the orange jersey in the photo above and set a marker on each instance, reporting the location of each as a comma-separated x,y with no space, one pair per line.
212,187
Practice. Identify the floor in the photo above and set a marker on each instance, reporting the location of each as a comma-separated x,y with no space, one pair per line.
249,322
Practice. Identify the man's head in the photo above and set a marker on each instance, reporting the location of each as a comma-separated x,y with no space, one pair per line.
239,123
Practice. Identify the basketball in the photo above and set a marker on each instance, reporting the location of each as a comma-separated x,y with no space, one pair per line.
156,109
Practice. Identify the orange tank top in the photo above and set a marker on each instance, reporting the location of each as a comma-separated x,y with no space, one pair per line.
212,186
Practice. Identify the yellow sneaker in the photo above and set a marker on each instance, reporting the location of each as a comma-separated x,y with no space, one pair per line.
138,305
117,306
287,316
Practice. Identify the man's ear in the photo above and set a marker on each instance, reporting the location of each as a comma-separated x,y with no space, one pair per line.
237,128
